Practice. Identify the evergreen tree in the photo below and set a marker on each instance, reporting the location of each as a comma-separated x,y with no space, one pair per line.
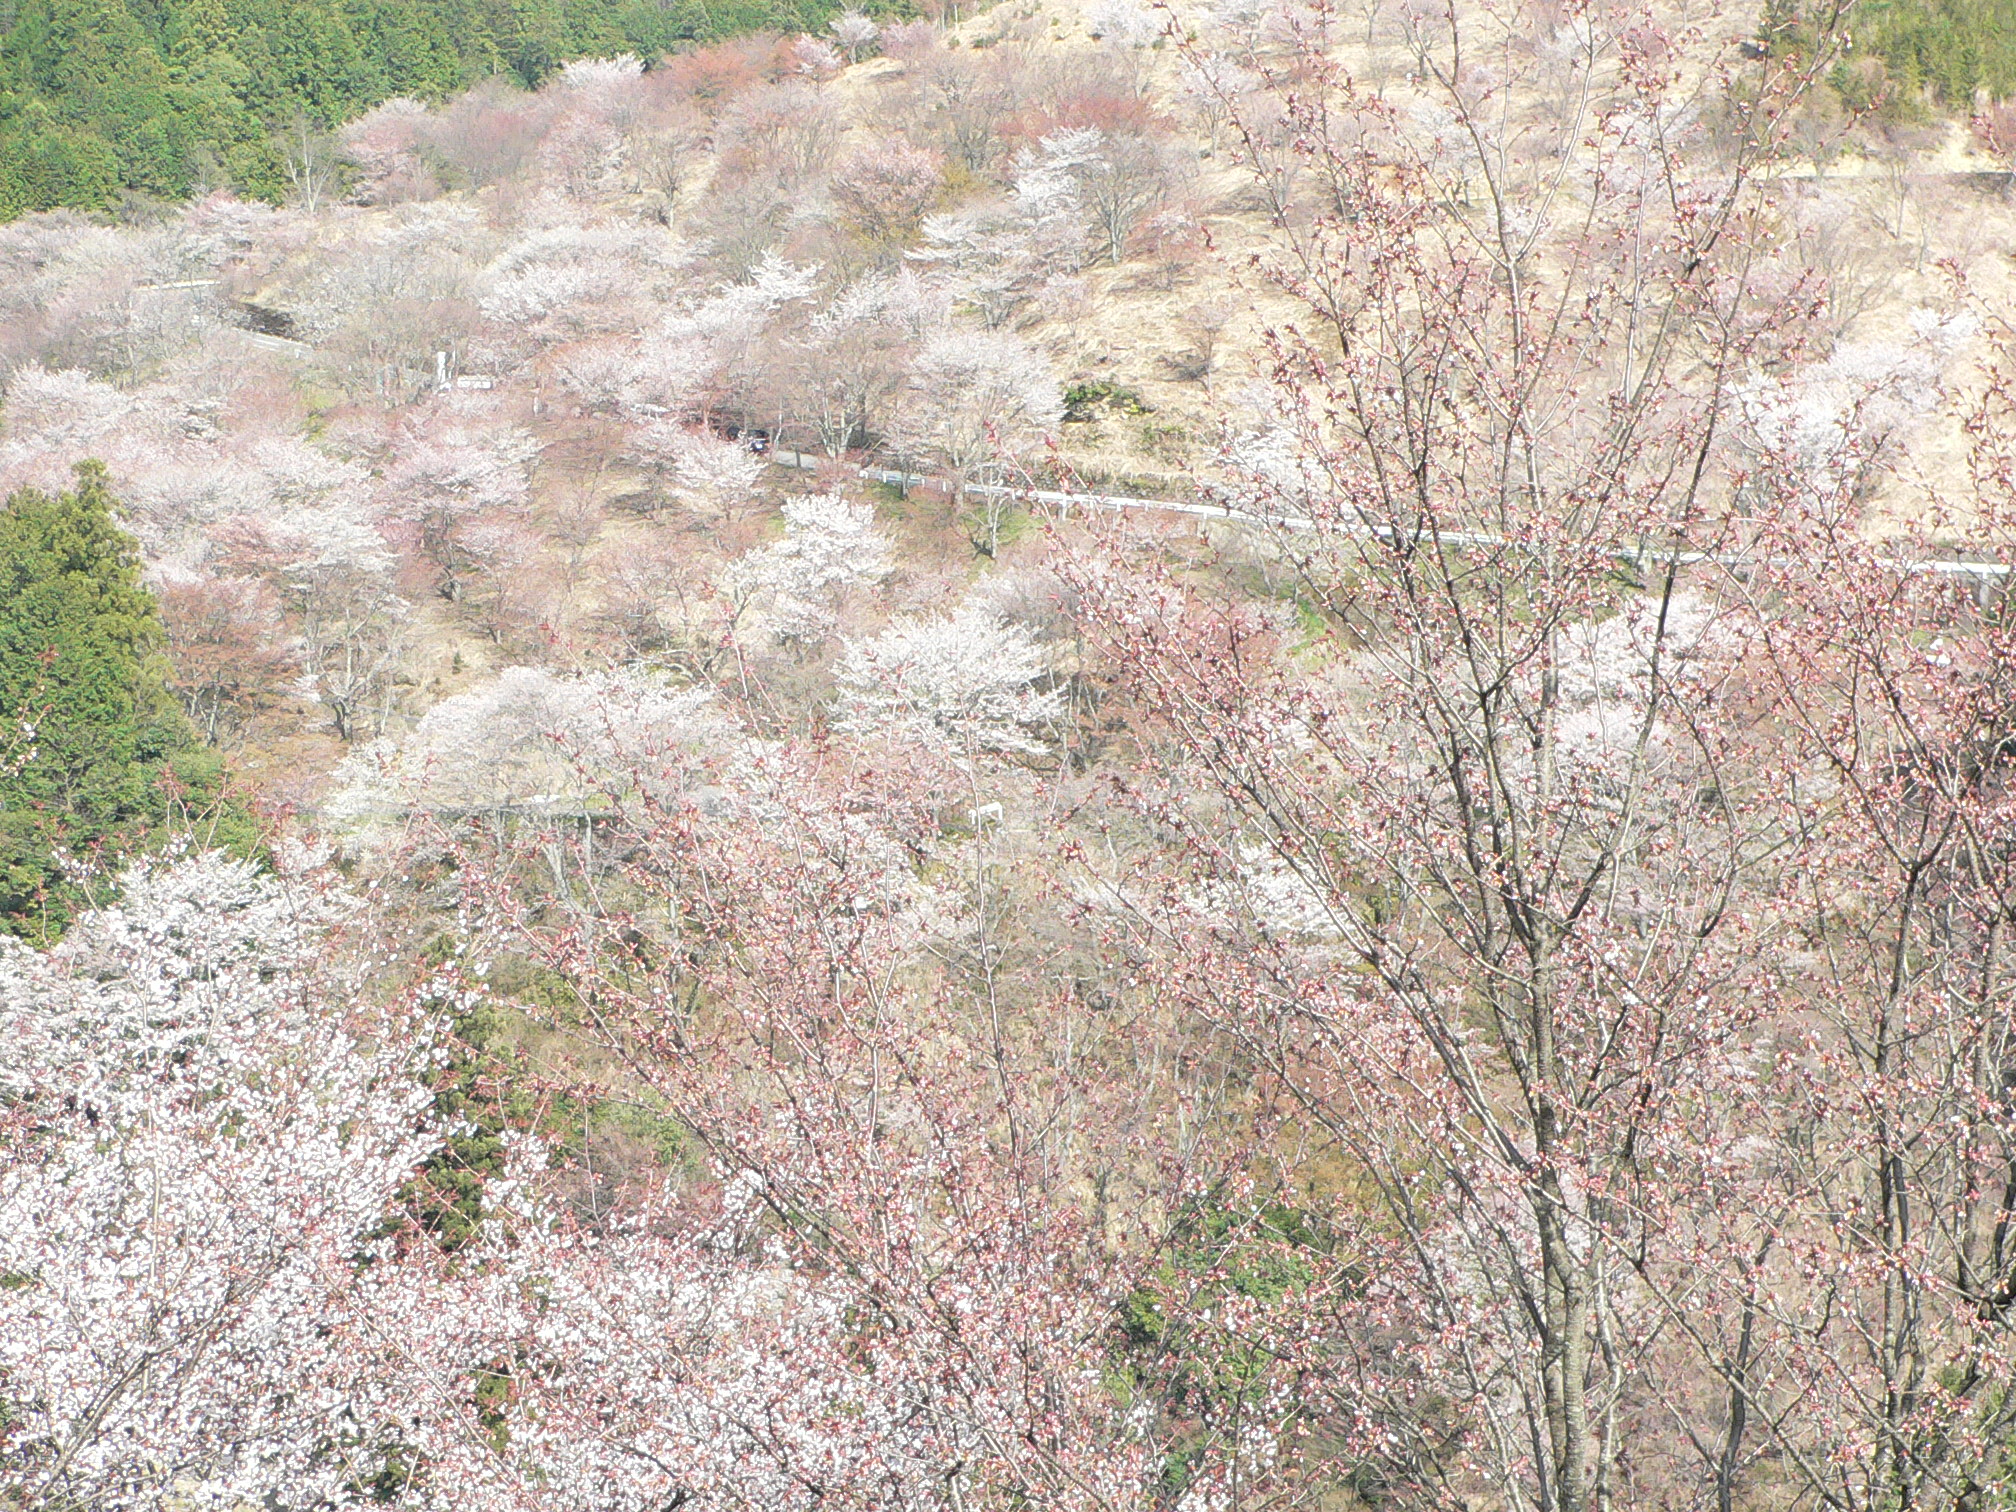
1944,49
1903,59
97,759
197,29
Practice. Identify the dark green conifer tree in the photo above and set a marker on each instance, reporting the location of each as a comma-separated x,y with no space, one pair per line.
97,761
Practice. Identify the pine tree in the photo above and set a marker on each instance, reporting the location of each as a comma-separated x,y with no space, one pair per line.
198,29
98,761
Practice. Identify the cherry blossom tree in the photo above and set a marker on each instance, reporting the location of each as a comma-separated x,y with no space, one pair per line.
997,256
202,1156
254,1328
585,151
566,280
969,679
633,379
655,600
1493,944
830,546
385,301
849,362
1211,81
445,475
975,399
855,32
898,1148
509,590
883,190
788,128
530,740
813,58
728,334
57,412
1889,679
702,471
1121,178
227,642
973,101
334,573
730,1382
664,154
1124,22
385,144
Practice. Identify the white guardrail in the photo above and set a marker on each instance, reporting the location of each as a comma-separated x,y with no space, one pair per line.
1982,572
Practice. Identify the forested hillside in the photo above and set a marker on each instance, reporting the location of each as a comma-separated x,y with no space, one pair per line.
1251,757
1942,52
163,98
166,97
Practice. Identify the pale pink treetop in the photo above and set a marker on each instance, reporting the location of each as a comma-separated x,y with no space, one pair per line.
531,740
830,545
855,32
968,679
209,1151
